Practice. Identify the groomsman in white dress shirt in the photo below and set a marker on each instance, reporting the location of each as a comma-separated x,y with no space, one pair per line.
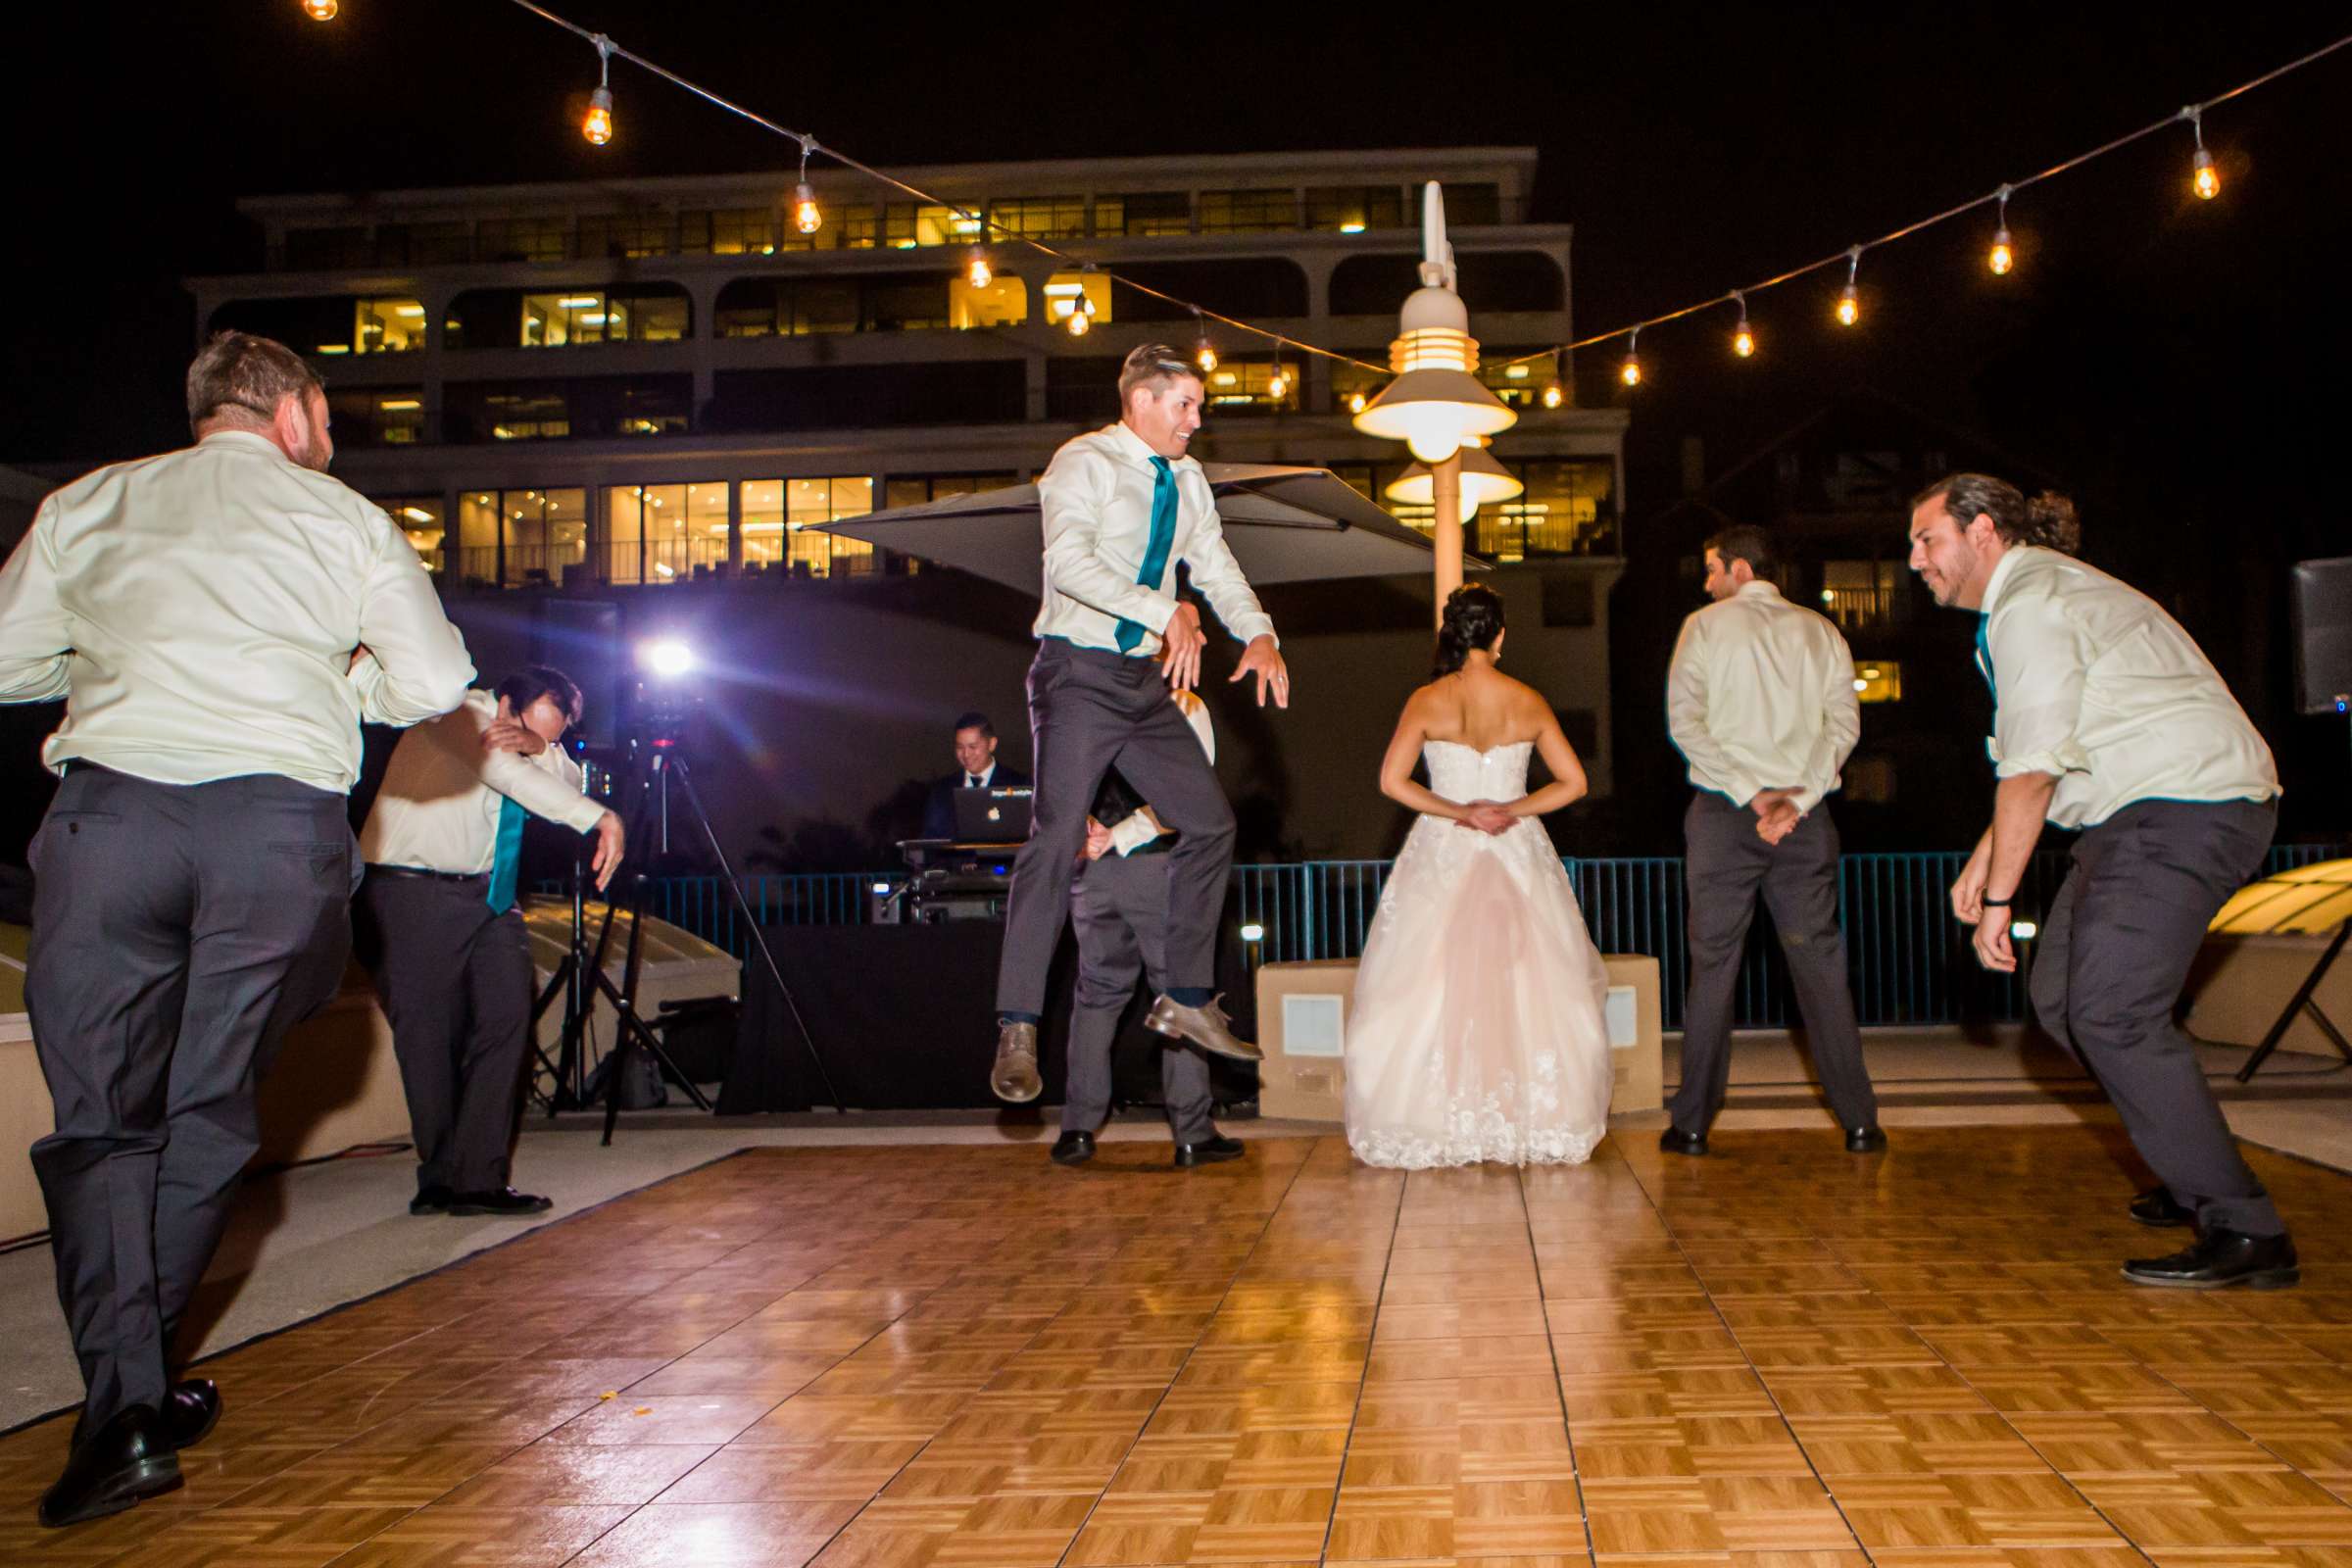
2108,720
1121,506
219,620
1760,698
441,928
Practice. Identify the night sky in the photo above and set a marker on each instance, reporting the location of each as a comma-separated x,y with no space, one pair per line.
2175,361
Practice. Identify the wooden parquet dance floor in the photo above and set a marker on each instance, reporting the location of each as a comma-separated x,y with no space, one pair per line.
1780,1356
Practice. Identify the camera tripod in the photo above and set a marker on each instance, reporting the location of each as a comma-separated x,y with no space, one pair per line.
581,976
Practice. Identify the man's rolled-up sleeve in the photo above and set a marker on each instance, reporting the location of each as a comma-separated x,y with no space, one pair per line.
2040,665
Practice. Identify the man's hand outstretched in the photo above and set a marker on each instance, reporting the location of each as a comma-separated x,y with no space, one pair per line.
1181,641
1264,661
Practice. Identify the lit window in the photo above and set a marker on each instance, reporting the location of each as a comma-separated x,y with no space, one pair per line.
1063,291
663,532
420,519
776,519
1241,211
1878,680
1861,595
1004,301
521,538
394,326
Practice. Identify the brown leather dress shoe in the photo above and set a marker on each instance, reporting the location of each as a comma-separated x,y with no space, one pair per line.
1207,1027
1014,1079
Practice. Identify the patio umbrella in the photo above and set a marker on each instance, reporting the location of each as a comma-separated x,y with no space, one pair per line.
1283,525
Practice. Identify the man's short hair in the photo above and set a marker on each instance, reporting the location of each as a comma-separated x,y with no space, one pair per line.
1744,541
978,721
1151,365
239,371
534,681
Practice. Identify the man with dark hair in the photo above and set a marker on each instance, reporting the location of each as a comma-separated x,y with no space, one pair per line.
217,620
976,769
1760,698
1122,507
2107,719
440,929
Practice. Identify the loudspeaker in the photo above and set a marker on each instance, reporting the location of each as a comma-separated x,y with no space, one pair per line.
2322,597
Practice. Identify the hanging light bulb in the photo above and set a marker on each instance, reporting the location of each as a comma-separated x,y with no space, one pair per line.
1081,319
976,270
1279,387
1849,303
1553,395
807,216
2204,178
1744,336
1629,372
320,10
597,125
1355,402
2002,257
1206,358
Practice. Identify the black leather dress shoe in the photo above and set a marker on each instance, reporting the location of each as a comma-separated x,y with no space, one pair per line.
432,1199
2155,1208
1864,1140
191,1411
1207,1151
2221,1258
1675,1141
1073,1149
125,1460
504,1203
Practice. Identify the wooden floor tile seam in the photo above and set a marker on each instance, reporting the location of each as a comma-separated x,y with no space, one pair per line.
1812,1466
1234,1281
1552,1351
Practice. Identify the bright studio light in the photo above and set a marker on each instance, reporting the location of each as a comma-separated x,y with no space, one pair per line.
668,658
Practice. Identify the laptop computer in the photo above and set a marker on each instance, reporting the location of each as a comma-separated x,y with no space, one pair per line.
992,816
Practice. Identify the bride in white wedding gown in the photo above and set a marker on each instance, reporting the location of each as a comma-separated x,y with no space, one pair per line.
1477,1029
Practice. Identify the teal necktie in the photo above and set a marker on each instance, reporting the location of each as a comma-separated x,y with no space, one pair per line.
1156,553
505,864
1984,660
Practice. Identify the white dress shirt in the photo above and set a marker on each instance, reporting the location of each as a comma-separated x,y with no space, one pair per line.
439,807
980,780
1095,497
2094,683
198,610
1760,695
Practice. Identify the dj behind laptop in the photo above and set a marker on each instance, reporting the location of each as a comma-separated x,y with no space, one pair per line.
968,876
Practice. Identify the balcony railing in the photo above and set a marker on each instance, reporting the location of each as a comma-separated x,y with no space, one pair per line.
1908,960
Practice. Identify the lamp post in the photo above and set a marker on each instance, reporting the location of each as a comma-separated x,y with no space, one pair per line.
1436,405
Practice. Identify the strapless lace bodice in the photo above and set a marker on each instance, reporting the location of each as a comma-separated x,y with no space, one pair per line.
1462,773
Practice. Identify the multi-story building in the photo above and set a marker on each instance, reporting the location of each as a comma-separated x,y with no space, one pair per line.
590,387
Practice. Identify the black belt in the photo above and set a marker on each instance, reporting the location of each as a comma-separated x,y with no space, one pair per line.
419,874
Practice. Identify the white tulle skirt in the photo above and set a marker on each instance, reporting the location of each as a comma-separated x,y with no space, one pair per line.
1477,1030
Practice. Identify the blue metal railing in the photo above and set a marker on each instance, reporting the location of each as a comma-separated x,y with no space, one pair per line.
1908,959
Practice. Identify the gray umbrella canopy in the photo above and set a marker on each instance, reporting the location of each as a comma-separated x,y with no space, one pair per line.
1283,525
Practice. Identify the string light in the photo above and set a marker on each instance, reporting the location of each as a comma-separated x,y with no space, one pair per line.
1355,402
1279,387
1743,337
1554,393
597,127
976,270
320,10
1849,303
2204,178
807,216
1629,372
2002,257
1204,356
1081,319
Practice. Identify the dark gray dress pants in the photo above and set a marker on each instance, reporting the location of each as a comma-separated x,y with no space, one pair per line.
178,932
1120,908
1726,864
456,982
2115,952
1089,711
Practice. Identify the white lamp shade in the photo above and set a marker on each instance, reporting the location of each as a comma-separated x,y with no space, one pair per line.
1482,480
1433,412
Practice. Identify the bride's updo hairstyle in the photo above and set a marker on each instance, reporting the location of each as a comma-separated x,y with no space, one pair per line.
1473,619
